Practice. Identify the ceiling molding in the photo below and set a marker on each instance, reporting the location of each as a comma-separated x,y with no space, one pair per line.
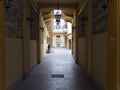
49,19
49,23
65,16
46,18
69,15
46,13
68,11
68,20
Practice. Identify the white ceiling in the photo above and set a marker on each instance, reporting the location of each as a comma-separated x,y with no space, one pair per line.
60,1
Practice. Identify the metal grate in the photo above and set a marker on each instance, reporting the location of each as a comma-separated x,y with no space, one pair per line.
57,76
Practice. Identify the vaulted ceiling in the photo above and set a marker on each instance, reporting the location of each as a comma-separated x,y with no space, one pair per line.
68,8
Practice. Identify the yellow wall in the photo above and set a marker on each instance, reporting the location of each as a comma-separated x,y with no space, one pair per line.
54,41
82,53
14,60
88,36
26,37
62,36
83,44
2,45
74,44
46,34
99,58
43,37
62,41
69,38
33,53
21,54
93,54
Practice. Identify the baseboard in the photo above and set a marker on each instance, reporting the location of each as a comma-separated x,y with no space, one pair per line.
11,87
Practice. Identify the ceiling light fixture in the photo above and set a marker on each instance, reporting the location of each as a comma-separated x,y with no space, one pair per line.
104,3
8,4
58,14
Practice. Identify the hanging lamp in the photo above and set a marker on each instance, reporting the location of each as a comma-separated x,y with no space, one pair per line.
58,14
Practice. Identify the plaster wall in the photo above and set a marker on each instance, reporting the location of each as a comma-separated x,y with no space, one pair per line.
74,44
82,50
62,43
33,52
99,58
14,60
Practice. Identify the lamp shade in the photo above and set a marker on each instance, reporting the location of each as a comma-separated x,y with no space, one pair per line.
57,17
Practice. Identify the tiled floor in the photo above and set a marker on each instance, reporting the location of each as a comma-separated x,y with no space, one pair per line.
57,71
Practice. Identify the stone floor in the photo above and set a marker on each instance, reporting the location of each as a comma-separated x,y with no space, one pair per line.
57,71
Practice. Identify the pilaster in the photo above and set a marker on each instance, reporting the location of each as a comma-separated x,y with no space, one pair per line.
26,36
2,46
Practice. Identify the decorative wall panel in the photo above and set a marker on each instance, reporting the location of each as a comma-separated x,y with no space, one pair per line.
33,23
99,17
82,24
14,20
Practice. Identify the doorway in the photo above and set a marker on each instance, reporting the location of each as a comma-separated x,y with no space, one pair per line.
58,41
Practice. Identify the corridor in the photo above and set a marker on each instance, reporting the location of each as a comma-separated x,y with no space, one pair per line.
90,28
57,71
